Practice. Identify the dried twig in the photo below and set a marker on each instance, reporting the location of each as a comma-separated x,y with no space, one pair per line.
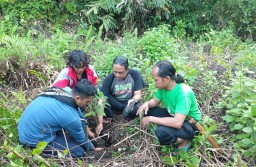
125,139
70,156
100,158
145,132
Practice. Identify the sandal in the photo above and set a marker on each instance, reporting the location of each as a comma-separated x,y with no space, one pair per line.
186,148
177,150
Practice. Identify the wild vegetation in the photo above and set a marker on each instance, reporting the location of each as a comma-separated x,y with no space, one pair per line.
211,43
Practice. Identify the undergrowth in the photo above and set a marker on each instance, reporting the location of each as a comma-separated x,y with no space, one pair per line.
220,71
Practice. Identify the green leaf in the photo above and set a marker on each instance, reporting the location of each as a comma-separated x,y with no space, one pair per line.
13,164
247,154
195,160
163,149
246,141
240,136
133,149
228,118
248,83
36,151
10,155
80,162
236,146
238,126
65,151
168,160
253,111
247,130
41,145
39,148
5,142
235,94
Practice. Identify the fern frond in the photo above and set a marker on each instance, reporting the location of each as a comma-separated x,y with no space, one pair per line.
16,46
108,22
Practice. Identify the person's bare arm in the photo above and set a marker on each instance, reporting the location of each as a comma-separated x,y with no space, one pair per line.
175,122
153,103
136,97
99,127
149,104
90,133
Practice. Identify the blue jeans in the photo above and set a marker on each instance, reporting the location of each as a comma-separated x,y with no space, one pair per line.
59,144
168,135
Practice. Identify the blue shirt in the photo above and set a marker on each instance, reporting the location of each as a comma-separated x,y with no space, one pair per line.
45,116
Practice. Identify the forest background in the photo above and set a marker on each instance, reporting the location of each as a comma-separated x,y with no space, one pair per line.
211,43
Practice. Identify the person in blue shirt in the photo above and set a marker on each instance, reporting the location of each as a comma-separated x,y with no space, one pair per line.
55,112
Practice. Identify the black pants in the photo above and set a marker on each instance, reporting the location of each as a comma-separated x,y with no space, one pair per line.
168,135
109,111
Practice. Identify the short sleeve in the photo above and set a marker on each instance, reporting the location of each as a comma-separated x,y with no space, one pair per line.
183,105
139,83
158,95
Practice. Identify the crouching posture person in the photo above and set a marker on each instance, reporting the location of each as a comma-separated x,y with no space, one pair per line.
179,101
78,68
55,111
122,87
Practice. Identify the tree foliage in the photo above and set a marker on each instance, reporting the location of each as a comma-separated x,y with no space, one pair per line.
35,36
118,16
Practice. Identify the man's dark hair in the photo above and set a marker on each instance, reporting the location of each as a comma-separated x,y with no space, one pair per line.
167,69
84,88
75,57
121,60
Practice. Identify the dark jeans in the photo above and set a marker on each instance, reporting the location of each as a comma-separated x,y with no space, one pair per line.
109,111
59,144
168,135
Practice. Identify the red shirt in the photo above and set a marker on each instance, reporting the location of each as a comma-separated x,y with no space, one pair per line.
67,77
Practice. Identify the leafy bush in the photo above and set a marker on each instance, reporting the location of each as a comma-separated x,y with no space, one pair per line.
240,105
246,55
162,42
26,13
157,43
128,46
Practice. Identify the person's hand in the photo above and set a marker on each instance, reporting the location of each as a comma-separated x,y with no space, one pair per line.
145,121
192,121
99,129
129,101
98,149
143,107
90,133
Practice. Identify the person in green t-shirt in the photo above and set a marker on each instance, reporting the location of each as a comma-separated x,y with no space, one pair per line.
179,101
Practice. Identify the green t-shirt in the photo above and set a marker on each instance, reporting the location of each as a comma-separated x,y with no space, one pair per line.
180,99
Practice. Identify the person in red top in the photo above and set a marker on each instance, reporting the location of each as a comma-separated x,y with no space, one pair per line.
78,68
